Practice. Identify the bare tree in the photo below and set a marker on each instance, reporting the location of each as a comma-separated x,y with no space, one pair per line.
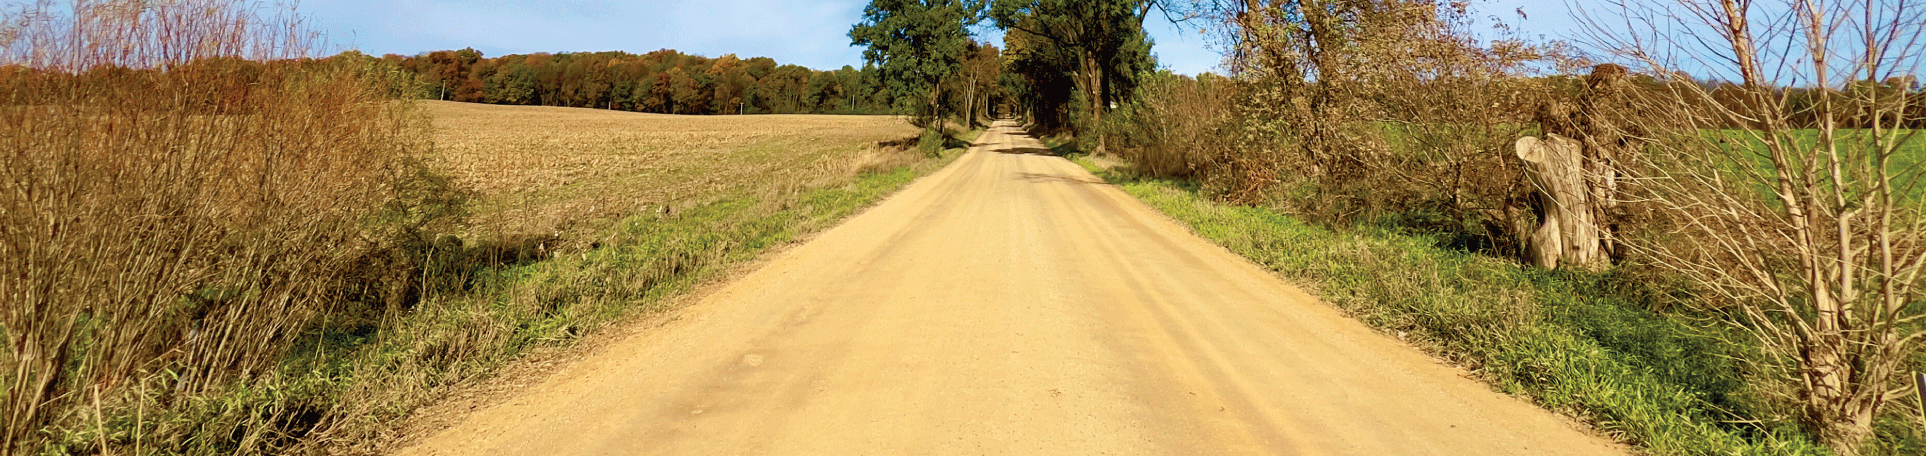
1787,193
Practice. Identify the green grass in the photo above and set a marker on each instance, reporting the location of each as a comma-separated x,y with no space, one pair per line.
1563,340
1905,160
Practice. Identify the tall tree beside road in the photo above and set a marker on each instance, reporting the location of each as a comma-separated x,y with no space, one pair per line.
1104,39
980,80
917,44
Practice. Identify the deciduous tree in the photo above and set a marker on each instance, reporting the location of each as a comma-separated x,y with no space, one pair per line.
916,44
1104,38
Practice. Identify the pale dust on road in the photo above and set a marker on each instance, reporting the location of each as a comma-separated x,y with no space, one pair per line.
1010,304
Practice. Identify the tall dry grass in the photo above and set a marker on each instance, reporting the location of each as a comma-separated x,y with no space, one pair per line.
181,193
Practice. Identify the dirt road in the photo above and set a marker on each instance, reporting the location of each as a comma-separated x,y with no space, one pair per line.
1010,304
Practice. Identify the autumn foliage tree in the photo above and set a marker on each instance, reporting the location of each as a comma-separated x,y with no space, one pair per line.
979,83
663,81
1100,46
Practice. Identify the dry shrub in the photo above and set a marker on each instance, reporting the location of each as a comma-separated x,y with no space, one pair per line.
1791,194
1389,111
180,199
1176,127
885,156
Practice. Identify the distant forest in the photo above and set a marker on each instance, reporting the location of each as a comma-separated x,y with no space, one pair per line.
664,81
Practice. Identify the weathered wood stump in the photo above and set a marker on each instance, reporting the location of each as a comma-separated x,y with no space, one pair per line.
1578,172
1567,233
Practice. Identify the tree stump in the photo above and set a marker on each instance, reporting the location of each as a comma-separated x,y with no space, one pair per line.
1567,233
1577,171
1606,124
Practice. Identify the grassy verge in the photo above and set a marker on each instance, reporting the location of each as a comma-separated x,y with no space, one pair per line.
1664,384
351,379
629,269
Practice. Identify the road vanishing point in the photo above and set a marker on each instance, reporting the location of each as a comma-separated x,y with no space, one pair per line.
1009,304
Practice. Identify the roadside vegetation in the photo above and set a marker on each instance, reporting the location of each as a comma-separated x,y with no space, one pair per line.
170,234
216,244
1716,258
1586,345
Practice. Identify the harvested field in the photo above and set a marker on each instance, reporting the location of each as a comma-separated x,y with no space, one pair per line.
647,207
548,169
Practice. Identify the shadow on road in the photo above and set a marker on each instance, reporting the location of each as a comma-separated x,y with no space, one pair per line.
1028,151
1040,177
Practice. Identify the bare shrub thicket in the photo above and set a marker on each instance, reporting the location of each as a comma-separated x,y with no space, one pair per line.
1803,214
181,193
1361,110
1177,126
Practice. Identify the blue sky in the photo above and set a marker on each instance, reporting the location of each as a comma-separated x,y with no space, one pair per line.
807,33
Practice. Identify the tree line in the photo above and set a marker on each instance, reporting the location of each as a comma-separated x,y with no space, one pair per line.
1903,98
663,81
1063,65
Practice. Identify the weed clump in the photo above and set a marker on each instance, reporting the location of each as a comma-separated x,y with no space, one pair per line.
931,143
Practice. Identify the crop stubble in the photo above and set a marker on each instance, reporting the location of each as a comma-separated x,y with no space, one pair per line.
549,170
